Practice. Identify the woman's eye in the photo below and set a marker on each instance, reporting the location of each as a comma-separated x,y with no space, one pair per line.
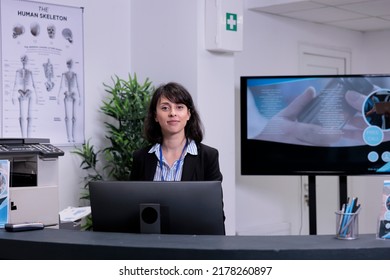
164,108
180,107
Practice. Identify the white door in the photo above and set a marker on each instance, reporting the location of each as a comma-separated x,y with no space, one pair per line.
324,61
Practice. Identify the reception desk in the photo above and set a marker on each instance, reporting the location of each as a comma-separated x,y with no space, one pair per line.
60,244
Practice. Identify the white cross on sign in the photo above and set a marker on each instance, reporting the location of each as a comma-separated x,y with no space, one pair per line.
231,22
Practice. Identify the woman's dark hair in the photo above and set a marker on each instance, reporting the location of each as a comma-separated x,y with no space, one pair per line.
175,93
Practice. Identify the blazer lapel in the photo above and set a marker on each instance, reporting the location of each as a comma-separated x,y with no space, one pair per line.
150,166
189,168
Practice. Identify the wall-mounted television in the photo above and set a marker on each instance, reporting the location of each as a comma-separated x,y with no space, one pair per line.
315,125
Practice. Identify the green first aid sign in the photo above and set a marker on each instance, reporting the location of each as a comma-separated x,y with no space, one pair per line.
231,22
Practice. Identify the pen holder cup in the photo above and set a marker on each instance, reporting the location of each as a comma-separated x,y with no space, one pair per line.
347,225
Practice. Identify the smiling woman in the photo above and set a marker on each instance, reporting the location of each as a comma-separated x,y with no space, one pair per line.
175,131
172,118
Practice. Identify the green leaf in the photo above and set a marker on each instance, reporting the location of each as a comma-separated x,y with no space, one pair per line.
125,105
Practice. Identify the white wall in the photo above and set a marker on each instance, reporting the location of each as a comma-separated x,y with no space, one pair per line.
163,41
376,57
107,52
275,204
168,45
124,36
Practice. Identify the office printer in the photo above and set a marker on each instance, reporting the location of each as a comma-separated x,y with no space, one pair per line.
34,168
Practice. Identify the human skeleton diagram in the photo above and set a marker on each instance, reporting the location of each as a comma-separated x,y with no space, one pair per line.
17,30
24,92
70,89
51,31
49,74
35,29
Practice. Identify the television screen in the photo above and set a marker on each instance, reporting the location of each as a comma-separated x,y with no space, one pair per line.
182,207
324,124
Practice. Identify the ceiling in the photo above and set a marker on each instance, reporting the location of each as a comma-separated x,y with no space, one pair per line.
358,15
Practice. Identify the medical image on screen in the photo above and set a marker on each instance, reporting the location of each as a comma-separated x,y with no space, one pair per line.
326,111
340,119
377,109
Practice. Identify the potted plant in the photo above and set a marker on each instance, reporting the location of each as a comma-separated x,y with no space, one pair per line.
125,107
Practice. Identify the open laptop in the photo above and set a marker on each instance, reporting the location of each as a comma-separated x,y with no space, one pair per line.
183,207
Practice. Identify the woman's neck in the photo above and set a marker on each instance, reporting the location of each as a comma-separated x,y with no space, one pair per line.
174,143
172,148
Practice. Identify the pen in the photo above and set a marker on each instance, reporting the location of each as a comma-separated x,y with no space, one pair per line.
342,217
347,211
351,218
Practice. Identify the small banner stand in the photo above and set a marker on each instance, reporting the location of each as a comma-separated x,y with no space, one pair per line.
4,192
384,217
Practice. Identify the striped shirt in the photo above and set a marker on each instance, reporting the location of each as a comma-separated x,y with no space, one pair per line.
171,173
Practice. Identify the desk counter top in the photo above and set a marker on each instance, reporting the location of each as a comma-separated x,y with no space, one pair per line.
71,244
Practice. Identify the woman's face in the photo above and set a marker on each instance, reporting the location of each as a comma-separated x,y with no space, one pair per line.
172,117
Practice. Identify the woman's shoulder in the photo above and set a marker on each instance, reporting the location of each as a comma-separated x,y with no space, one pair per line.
143,150
206,148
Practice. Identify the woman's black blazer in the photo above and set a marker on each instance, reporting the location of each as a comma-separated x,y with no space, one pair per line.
202,167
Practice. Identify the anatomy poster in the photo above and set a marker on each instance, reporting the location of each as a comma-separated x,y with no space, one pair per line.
43,72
